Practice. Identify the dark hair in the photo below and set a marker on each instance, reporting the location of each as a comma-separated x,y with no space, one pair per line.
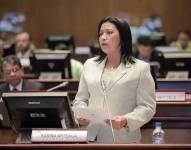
24,32
144,40
187,32
13,60
125,39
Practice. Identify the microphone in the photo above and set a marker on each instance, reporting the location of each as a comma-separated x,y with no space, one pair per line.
108,110
63,84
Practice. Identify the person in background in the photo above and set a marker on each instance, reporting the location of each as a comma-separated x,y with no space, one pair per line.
24,50
1,48
115,81
24,45
153,23
183,41
13,81
76,66
146,52
1,54
13,76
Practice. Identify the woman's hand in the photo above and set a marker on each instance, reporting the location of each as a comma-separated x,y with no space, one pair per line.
118,122
82,121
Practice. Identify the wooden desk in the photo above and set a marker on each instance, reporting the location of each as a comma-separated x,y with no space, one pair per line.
7,141
174,84
175,118
176,122
173,115
72,84
71,88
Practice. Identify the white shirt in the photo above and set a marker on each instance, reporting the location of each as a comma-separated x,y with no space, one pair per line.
24,55
18,87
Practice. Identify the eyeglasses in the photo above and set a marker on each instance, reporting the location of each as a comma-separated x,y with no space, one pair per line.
14,70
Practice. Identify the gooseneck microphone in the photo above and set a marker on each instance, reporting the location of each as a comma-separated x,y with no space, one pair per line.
108,110
63,84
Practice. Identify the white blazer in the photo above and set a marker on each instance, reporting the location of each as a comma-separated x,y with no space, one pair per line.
131,93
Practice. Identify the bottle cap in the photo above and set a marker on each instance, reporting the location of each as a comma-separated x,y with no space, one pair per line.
158,124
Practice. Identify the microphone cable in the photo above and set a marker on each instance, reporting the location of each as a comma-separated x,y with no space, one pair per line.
108,110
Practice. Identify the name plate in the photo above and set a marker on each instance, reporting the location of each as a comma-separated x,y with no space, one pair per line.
170,96
50,76
58,136
25,62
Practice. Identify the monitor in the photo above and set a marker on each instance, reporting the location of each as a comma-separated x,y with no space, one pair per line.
158,39
29,110
48,61
177,61
94,49
53,40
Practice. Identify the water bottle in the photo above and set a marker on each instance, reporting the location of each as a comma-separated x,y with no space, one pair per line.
158,134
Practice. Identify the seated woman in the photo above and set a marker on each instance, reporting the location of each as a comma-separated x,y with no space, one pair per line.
183,41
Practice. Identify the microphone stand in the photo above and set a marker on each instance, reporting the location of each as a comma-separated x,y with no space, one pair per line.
108,111
58,86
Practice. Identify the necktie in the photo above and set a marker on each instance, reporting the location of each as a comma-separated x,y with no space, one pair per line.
14,90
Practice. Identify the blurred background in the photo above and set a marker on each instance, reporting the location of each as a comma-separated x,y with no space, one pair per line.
80,17
72,25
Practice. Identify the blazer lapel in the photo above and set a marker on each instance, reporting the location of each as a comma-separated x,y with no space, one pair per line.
24,86
120,72
100,69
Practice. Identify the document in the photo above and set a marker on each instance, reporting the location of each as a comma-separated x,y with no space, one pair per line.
177,75
50,76
97,115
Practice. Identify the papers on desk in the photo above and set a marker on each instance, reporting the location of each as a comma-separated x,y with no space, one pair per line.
177,75
50,76
167,49
82,50
97,115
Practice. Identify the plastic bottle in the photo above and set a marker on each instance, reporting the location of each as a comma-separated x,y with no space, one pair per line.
158,134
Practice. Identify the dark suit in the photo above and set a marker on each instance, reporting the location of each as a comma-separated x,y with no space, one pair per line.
1,75
10,50
156,56
26,86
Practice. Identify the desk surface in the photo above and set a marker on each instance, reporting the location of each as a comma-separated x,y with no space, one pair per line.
177,133
180,134
7,141
162,83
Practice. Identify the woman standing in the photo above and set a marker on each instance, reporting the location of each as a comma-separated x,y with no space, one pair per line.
125,81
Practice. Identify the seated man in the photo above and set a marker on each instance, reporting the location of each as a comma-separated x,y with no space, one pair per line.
24,45
183,41
13,76
1,55
146,52
24,49
1,47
